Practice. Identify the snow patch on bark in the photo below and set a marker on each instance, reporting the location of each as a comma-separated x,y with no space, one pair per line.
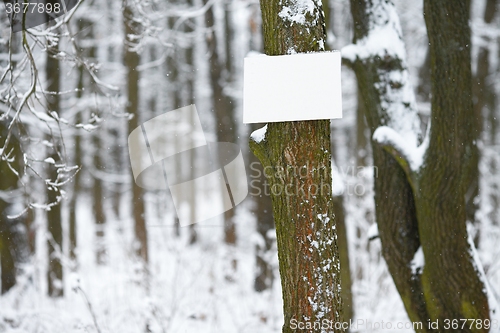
296,12
259,135
397,99
418,261
372,232
404,144
384,38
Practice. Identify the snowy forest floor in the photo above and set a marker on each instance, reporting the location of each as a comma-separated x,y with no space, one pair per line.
193,288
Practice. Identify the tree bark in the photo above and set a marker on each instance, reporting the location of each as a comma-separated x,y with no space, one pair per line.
450,279
223,109
98,203
298,157
131,61
424,205
8,183
395,206
54,218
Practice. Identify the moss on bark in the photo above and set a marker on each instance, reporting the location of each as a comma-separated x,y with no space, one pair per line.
297,158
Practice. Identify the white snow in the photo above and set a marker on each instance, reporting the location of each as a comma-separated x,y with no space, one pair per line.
413,154
338,186
372,231
87,127
296,12
384,38
259,135
418,261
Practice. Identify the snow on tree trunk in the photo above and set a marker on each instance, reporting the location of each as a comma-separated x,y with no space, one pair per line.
421,188
297,160
131,61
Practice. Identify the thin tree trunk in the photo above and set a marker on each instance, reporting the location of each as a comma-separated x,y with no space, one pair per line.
394,203
343,245
54,218
75,193
98,203
262,210
338,200
131,61
305,226
190,79
223,109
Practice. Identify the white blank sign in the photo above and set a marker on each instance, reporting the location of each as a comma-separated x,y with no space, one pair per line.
304,86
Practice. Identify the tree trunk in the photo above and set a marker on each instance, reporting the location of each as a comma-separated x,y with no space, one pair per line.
223,109
54,218
305,226
86,33
131,61
395,207
422,204
338,200
190,81
265,225
175,97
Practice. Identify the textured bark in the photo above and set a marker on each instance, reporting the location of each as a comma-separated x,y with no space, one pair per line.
450,279
427,207
131,61
395,207
262,209
338,201
298,154
54,218
259,189
86,33
98,203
